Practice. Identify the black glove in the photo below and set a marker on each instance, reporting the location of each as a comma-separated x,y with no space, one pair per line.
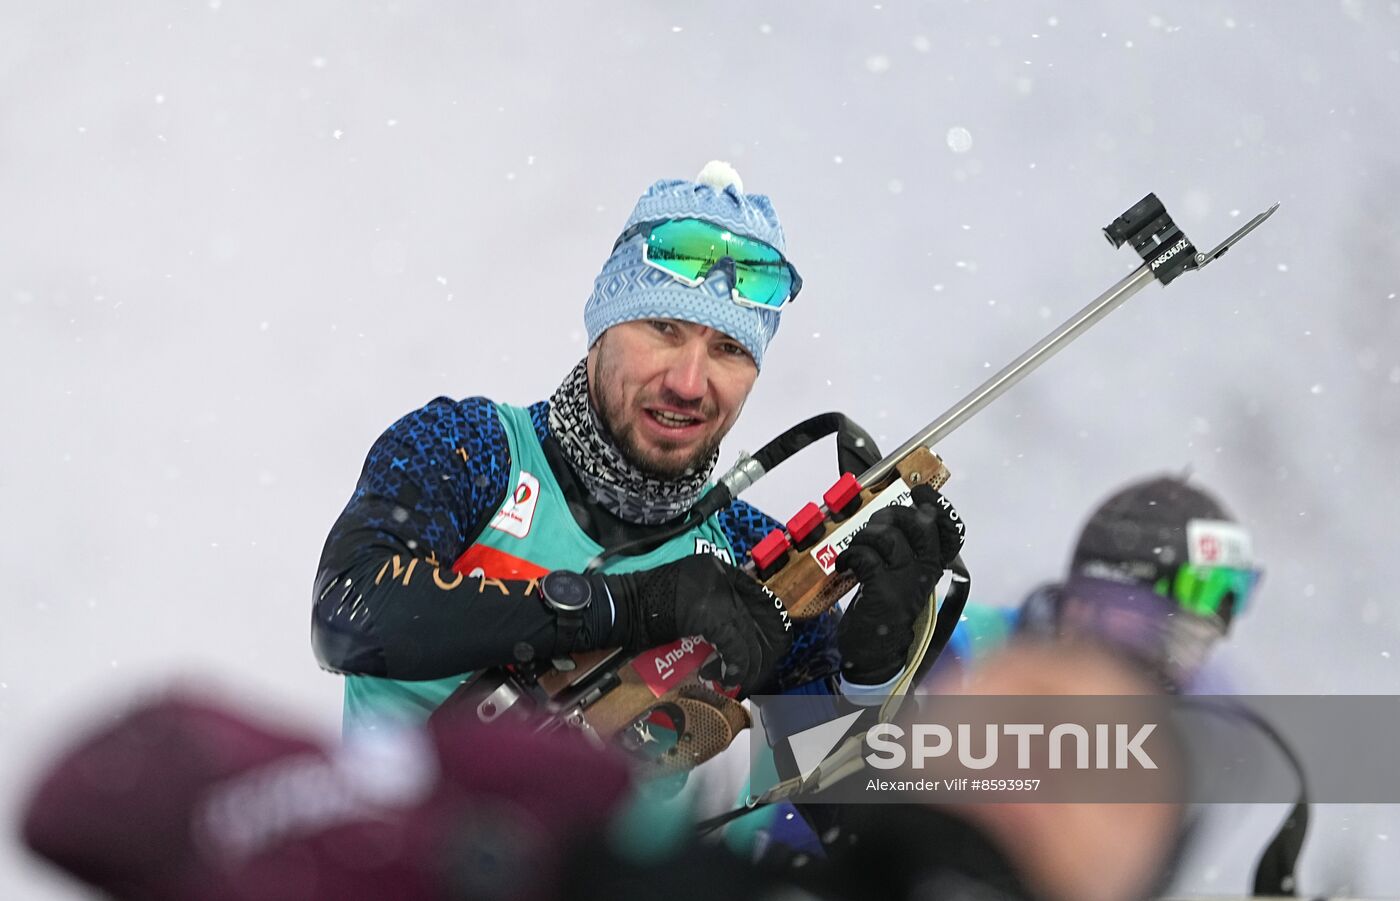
702,595
898,559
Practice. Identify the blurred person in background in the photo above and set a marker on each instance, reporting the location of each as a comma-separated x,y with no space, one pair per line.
1160,573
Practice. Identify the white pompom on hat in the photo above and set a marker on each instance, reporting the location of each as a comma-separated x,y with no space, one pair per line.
719,175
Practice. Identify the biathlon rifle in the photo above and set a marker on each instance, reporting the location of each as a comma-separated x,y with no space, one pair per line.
655,703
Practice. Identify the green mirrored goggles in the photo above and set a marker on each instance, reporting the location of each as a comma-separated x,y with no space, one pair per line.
1203,590
689,250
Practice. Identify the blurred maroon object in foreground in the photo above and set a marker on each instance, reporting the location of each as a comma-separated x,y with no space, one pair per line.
185,799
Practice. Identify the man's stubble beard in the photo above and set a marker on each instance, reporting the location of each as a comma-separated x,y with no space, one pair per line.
624,434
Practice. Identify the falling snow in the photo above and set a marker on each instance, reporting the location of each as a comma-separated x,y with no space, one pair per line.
959,139
249,270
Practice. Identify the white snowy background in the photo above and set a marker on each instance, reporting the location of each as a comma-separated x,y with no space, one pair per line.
238,239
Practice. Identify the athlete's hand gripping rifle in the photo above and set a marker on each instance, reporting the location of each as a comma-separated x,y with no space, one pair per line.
607,694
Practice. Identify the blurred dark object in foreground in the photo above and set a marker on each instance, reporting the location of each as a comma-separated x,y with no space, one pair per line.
184,799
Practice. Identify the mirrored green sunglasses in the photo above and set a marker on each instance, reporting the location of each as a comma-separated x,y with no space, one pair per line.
689,250
1203,590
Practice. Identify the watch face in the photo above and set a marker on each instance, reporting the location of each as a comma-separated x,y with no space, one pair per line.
566,590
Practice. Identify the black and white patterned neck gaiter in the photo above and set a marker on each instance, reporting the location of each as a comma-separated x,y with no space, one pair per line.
610,478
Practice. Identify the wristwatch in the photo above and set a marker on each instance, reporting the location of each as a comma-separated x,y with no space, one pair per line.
568,595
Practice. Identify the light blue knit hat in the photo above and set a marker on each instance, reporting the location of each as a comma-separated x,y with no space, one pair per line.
629,289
